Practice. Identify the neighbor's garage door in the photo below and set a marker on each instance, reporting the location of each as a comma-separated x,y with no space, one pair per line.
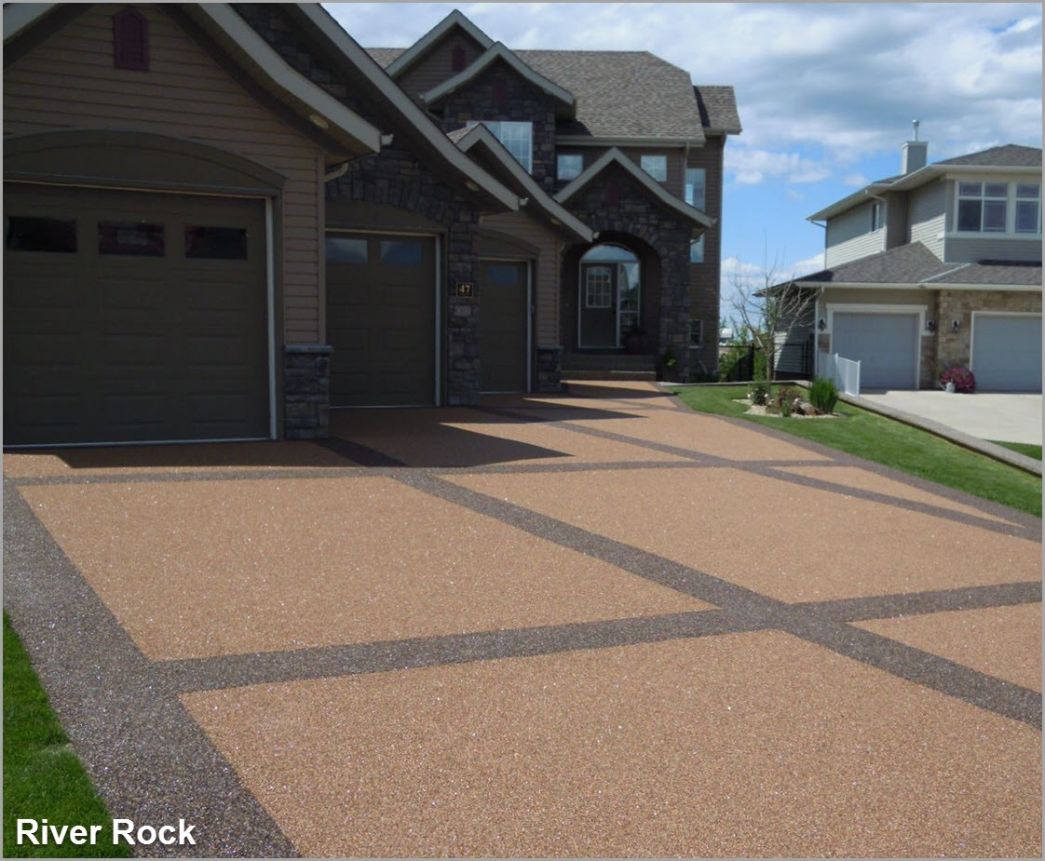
884,344
1006,352
503,329
132,317
381,319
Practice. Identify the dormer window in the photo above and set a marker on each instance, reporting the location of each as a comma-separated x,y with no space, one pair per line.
130,40
458,59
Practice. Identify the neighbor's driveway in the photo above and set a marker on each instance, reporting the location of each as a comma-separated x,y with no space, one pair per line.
594,625
999,417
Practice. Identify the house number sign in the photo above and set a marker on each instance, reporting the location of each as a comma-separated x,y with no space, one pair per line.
464,290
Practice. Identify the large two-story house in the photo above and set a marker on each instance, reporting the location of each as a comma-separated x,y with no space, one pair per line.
221,221
936,267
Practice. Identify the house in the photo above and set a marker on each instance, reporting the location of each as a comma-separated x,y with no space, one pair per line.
936,267
223,221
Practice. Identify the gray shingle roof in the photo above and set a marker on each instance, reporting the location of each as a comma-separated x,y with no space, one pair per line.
622,93
916,265
626,94
1010,155
718,107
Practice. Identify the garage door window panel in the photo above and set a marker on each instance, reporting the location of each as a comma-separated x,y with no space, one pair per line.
341,249
215,243
134,240
27,233
401,252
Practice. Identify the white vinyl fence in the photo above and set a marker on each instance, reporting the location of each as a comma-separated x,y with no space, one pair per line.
844,373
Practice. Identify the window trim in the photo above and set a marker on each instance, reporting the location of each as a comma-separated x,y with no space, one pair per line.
699,345
1011,201
687,188
877,222
661,158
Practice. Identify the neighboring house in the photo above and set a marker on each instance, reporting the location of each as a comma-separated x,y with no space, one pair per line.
221,221
939,266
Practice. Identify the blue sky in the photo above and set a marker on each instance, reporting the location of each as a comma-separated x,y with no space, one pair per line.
826,92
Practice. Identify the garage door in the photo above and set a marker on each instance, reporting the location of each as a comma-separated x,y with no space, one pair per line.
381,319
503,329
884,344
1006,352
132,317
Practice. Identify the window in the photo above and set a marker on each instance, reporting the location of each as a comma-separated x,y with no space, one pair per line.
216,243
695,179
569,166
983,207
342,249
41,234
876,216
696,333
1028,208
130,41
401,252
655,165
696,250
517,139
136,240
598,287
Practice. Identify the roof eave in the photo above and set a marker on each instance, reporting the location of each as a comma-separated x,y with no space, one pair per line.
912,285
414,53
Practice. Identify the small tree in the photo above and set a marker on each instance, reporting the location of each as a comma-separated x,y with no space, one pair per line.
766,307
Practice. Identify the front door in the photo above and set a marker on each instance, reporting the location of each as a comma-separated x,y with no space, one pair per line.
503,326
598,305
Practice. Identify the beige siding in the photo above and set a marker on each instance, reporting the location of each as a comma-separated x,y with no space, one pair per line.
528,229
436,65
68,82
927,216
849,237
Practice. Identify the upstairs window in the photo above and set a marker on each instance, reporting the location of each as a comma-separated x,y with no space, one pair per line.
517,139
696,333
655,165
569,166
876,216
696,250
696,178
130,40
1028,208
983,207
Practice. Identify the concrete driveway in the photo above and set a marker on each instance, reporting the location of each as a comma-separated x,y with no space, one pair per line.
589,625
998,417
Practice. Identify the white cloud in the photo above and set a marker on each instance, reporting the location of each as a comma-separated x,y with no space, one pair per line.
857,180
751,166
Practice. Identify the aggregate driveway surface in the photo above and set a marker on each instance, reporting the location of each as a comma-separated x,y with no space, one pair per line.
591,624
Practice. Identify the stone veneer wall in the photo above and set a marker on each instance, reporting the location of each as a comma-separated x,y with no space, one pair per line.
397,178
523,102
614,202
549,369
953,347
306,391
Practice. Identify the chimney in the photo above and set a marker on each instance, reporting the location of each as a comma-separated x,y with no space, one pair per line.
915,154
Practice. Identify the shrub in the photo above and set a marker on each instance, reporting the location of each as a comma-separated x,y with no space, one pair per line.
759,394
759,371
963,380
823,395
785,400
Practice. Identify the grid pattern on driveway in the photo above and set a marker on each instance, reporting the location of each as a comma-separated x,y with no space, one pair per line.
495,590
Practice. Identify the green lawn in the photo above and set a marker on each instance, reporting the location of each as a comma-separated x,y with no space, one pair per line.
1021,447
900,446
42,776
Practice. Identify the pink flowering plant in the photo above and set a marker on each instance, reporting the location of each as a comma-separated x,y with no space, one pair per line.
963,380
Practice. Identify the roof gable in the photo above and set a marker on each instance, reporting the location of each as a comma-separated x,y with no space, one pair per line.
479,137
615,156
499,53
455,20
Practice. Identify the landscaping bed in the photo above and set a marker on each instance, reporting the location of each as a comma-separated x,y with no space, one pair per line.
876,438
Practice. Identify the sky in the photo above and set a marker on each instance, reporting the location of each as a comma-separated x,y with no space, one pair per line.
826,92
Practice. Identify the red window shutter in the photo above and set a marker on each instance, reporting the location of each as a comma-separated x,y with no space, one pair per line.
458,60
130,40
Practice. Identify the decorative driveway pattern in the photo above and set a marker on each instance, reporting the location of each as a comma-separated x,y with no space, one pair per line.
595,624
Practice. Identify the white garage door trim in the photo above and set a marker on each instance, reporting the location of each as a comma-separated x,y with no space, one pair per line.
863,308
436,238
270,307
972,330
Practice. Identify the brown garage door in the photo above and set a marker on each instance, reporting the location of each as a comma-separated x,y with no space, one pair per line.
133,317
503,329
381,319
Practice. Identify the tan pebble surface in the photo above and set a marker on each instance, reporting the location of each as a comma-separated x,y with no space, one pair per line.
758,532
219,567
1001,641
737,745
